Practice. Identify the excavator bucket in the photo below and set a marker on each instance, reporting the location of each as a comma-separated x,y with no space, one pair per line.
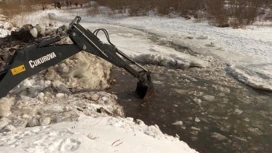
145,89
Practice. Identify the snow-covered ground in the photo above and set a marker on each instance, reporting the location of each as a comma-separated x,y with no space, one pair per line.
247,51
96,135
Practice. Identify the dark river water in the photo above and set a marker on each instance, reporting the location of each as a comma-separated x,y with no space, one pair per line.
216,112
205,107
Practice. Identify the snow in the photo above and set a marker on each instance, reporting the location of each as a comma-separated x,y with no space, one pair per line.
241,47
5,28
96,135
256,75
34,32
3,32
247,50
5,104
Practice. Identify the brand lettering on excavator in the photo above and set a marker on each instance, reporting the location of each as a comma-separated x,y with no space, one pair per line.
42,60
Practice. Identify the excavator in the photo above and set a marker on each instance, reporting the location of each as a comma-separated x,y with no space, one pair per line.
39,56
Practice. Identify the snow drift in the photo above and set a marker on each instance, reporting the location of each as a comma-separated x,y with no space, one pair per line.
96,135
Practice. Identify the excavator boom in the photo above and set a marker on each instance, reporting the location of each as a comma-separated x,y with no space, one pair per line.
37,57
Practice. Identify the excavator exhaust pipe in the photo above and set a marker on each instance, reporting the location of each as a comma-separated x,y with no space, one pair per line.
145,89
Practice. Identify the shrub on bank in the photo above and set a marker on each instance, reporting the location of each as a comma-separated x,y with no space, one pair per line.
221,13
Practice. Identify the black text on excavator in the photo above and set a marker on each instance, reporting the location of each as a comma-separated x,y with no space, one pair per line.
35,58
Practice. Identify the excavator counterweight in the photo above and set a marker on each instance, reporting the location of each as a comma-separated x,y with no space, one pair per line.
37,57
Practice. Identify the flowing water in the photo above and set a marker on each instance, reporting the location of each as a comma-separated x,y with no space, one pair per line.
205,107
216,112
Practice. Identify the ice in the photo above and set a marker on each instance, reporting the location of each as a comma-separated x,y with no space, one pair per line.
178,60
179,123
258,76
197,119
34,32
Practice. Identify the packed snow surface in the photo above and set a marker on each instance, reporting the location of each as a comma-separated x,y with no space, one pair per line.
96,135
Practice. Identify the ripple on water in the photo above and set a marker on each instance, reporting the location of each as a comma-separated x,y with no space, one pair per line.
228,116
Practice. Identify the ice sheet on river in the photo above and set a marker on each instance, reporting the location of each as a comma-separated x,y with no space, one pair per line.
172,60
256,75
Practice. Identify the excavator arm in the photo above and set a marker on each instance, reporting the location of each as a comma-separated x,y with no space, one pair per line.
37,57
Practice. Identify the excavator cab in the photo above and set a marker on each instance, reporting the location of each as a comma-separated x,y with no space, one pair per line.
37,57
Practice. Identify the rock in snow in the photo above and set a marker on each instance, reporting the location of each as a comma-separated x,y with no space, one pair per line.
45,121
23,34
33,122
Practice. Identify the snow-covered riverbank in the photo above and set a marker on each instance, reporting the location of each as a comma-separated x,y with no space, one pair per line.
96,135
247,51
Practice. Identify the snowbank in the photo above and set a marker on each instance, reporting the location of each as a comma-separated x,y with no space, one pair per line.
83,70
96,135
